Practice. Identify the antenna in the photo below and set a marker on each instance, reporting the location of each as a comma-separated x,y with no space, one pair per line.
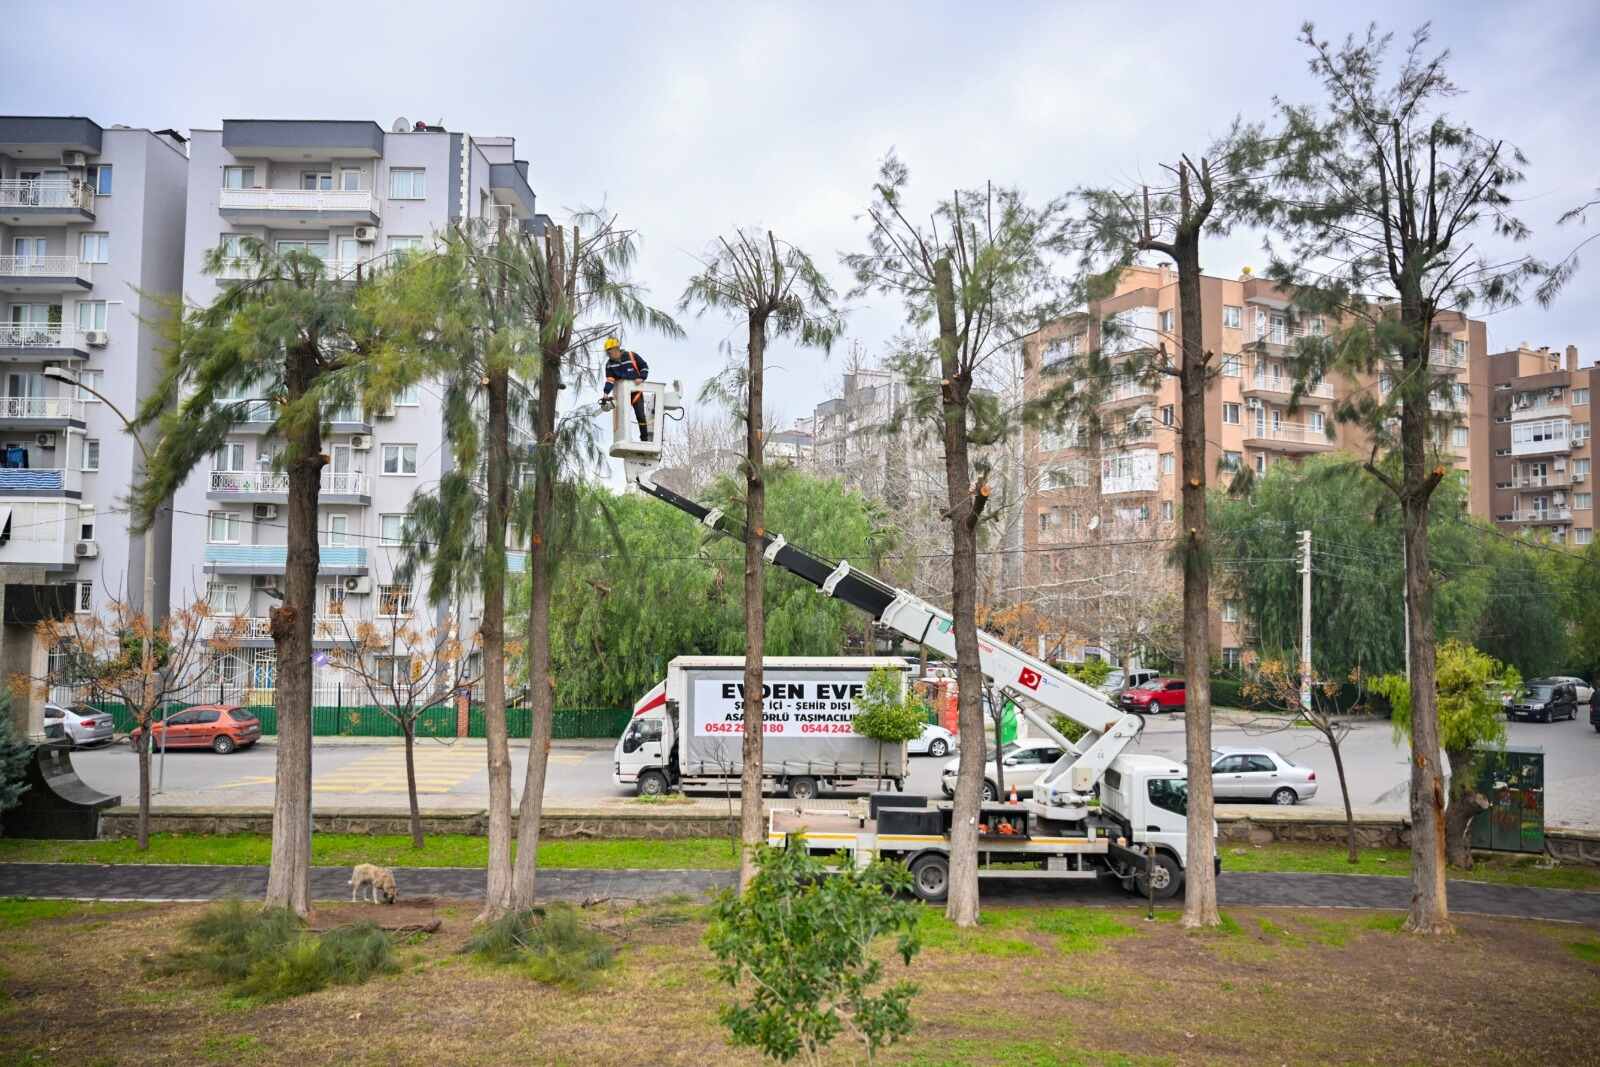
400,125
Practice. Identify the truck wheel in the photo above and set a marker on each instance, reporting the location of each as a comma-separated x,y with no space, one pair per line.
938,748
1166,875
651,784
930,878
802,788
1284,796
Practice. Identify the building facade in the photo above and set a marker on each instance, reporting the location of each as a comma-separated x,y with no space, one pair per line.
91,242
352,194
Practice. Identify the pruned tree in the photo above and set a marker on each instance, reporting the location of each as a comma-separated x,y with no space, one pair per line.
888,711
974,279
1388,214
281,336
778,292
15,752
406,671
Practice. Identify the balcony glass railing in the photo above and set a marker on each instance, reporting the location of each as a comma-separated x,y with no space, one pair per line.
46,193
223,557
298,200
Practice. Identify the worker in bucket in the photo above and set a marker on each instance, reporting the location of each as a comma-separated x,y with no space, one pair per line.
622,365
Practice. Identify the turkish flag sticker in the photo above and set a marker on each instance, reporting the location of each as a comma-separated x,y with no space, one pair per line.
1029,677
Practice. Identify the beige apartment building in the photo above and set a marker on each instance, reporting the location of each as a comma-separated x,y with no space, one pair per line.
1104,509
1535,435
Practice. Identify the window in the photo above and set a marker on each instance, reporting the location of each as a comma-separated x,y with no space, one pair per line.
1230,414
230,457
1045,519
1232,317
1170,794
89,379
1230,611
94,247
394,600
1261,462
1317,327
392,671
407,183
338,530
1580,397
238,177
350,180
349,251
316,180
1459,347
1458,437
405,244
86,528
399,459
1231,658
85,596
91,314
1166,511
1580,468
1582,501
1580,432
1144,512
1232,461
1166,322
1232,367
232,245
392,530
333,599
1166,414
223,527
1072,521
1314,421
223,597
91,453
409,397
1582,535
1166,463
100,179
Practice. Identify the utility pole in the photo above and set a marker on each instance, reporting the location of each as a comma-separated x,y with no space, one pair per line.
1305,620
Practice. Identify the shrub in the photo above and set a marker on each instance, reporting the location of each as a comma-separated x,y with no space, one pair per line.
15,752
551,943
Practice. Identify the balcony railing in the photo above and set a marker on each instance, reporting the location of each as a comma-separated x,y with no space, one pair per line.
276,483
1541,481
46,193
1543,515
256,411
38,335
269,558
15,408
1280,383
299,200
1130,391
1443,356
1305,433
39,480
64,268
239,270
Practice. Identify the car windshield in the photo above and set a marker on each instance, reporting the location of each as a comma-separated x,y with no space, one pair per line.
1541,692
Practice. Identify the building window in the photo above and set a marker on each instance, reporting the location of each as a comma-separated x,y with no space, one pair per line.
91,453
394,601
232,246
1230,611
1166,322
333,599
86,529
1582,535
405,244
1232,367
100,178
1072,521
1458,436
223,527
85,597
1317,327
1166,414
338,530
392,530
407,183
1459,347
91,314
94,247
238,177
1261,462
392,671
399,459
1580,432
1230,414
1231,658
230,457
1166,511
1314,422
89,379
1166,463
1232,317
1232,461
1582,501
1045,519
1580,468
313,181
409,397
223,597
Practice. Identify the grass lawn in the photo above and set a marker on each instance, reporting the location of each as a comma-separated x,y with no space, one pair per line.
1505,868
1029,987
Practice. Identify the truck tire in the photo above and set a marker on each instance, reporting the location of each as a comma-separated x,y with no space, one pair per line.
930,877
802,787
1168,878
650,784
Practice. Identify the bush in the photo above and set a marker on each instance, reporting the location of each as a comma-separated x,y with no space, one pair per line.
15,752
551,943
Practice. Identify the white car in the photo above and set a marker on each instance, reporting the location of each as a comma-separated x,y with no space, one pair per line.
81,724
1260,774
935,741
1116,681
1023,763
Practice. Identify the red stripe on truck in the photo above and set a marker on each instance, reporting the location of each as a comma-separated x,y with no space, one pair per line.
654,702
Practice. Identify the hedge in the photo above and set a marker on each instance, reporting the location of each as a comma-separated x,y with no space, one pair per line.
371,721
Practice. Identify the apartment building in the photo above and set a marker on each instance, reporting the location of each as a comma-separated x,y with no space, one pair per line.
1105,506
91,238
351,193
1537,476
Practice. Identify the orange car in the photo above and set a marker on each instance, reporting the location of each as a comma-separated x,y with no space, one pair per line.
219,727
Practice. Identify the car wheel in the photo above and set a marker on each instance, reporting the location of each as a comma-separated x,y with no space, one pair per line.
930,877
1164,878
222,744
650,784
991,792
939,747
1284,796
802,788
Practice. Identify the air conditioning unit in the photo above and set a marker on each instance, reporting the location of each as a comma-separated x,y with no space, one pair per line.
74,159
86,550
45,440
386,413
361,442
97,338
266,511
366,234
357,586
1579,477
263,581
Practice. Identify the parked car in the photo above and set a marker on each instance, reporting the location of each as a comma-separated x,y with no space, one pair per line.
1260,774
1117,681
935,741
1022,761
1545,700
80,724
1583,689
1154,697
1594,716
219,727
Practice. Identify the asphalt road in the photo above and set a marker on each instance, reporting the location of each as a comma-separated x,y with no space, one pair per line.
453,775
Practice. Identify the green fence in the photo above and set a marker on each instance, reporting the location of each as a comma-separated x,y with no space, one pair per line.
371,721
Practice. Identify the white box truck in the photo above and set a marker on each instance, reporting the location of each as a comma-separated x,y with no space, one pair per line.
688,732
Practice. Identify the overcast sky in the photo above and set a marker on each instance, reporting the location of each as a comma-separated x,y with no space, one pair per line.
692,119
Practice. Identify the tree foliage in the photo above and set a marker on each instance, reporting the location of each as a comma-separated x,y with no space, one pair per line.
15,751
805,943
888,711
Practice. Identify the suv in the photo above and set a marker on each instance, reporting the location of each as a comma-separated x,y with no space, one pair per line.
1117,681
1155,696
1545,700
220,727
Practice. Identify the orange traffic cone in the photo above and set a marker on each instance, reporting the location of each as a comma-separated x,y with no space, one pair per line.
1013,797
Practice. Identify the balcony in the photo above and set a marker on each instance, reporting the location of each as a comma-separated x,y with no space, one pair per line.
1531,439
272,487
269,559
45,202
1542,515
41,481
1542,410
1278,387
1445,357
344,270
28,341
1543,481
1125,391
40,412
1287,436
39,534
255,631
284,208
348,420
45,274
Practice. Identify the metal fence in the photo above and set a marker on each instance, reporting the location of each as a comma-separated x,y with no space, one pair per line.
344,720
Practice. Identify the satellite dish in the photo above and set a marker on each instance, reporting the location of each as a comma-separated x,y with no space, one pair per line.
401,125
1094,522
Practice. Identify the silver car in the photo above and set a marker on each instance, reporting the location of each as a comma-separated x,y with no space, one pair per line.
935,741
1260,774
1024,763
81,724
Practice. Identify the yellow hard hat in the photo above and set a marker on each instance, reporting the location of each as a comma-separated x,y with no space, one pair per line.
612,342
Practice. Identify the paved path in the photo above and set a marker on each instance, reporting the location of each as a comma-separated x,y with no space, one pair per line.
184,882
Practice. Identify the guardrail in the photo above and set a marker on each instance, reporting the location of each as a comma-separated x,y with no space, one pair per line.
46,267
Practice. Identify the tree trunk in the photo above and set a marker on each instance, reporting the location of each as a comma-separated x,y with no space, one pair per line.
1200,882
289,879
962,906
541,686
143,748
1344,787
752,830
999,764
497,899
1465,804
409,725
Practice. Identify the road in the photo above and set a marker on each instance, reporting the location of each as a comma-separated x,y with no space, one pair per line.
453,775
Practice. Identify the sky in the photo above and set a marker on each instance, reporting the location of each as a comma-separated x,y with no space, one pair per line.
689,120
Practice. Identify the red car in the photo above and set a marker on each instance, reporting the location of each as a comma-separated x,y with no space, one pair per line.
1161,694
219,727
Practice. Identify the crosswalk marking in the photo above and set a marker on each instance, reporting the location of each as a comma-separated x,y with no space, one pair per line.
437,770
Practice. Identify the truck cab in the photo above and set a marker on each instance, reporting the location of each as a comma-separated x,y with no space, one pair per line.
642,757
1147,797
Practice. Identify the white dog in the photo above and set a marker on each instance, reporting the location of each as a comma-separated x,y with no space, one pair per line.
375,880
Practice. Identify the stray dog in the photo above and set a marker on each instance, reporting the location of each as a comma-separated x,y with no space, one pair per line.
375,880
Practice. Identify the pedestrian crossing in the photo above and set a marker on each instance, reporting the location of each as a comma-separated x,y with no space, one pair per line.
439,770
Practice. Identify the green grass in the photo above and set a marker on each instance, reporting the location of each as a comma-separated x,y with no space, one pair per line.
18,913
347,850
986,939
552,944
1331,859
1587,951
960,1052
